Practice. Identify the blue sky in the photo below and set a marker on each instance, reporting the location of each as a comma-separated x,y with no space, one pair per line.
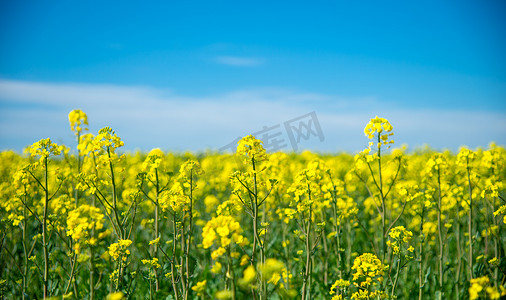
194,75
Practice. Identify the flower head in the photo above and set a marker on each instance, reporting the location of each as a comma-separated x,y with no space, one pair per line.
222,230
252,148
399,241
119,249
107,140
153,160
81,221
200,288
77,118
382,128
44,148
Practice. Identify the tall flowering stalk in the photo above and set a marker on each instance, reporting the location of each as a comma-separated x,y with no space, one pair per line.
344,208
464,159
178,202
103,147
78,122
435,167
248,183
493,161
43,149
402,251
188,176
120,253
305,190
103,150
152,175
224,232
380,130
82,223
23,185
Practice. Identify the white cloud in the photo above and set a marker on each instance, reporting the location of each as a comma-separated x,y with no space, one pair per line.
146,118
239,61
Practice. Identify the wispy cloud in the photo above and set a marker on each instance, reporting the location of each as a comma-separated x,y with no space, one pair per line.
239,61
146,117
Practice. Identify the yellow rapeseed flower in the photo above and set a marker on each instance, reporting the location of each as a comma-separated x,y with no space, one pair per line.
77,118
200,287
252,148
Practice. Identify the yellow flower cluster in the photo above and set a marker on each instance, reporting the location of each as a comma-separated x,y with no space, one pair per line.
249,276
115,296
399,241
491,189
155,241
346,209
379,126
153,160
465,157
200,288
106,140
286,214
174,200
481,287
501,211
494,157
305,185
252,148
338,289
222,230
119,249
368,272
190,168
211,202
177,199
271,270
437,163
81,221
77,118
243,182
223,295
44,148
152,263
229,207
85,145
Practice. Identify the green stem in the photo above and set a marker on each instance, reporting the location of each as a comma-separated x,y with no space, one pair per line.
121,233
92,271
232,274
470,222
73,262
497,253
459,254
396,277
172,270
420,260
76,191
337,229
25,250
157,227
383,206
440,233
189,237
307,274
44,231
256,238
